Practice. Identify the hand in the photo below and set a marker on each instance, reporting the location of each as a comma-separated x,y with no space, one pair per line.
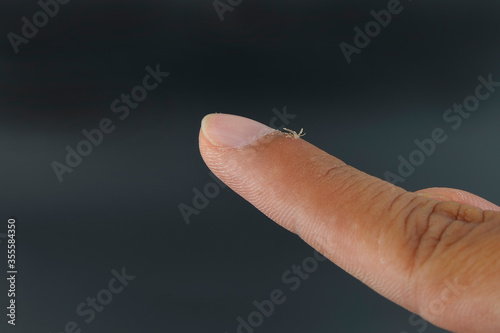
435,252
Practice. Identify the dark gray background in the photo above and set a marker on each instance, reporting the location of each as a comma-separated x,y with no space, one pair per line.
119,208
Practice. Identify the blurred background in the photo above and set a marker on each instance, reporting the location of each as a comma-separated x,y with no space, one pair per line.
119,207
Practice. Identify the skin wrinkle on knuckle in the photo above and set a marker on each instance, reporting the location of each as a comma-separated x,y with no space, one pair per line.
411,214
382,188
376,204
380,209
398,198
461,212
364,194
399,206
471,214
461,233
445,226
325,176
334,170
424,242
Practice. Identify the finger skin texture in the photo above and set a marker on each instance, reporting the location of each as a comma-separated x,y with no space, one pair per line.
437,258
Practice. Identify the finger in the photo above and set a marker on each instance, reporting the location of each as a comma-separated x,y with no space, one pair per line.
403,245
450,194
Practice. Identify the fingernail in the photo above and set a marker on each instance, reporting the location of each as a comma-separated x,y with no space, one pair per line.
226,130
